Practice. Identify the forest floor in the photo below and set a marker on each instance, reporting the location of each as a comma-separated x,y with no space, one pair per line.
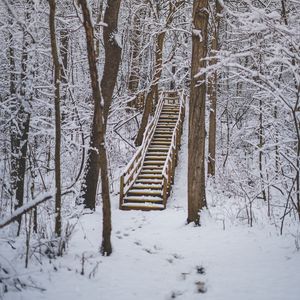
157,256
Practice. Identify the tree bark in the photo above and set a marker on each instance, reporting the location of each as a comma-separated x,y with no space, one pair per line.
113,51
133,81
57,77
196,143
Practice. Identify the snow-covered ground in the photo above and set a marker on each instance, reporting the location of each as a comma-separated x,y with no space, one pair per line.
157,256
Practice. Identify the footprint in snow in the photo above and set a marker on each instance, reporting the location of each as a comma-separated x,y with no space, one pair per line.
174,256
177,256
201,287
200,270
150,251
175,294
138,243
200,284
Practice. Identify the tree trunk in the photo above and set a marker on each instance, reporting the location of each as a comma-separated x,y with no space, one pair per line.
111,68
57,77
64,40
20,128
212,91
97,158
196,144
133,81
113,51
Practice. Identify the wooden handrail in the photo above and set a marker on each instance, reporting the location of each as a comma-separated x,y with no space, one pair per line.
171,160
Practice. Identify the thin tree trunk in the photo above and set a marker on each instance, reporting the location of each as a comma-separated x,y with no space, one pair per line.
213,85
20,130
57,77
196,144
64,40
133,81
260,158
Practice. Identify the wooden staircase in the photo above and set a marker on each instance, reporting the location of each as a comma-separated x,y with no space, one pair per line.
147,180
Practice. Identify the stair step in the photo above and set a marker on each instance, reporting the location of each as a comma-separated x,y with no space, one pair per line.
171,105
172,125
163,147
143,199
144,193
168,119
149,176
162,144
162,138
169,124
151,172
150,158
166,122
153,148
170,109
142,206
147,186
150,166
167,128
163,134
148,181
155,153
164,131
168,116
154,162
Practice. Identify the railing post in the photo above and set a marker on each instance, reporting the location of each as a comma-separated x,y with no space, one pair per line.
165,191
169,176
121,191
173,165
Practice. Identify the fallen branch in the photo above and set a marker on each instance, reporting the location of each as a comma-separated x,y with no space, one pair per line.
25,208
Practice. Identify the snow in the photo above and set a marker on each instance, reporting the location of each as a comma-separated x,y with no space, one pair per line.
157,256
118,39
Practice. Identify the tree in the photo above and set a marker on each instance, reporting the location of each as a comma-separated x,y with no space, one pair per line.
196,143
57,77
22,96
97,158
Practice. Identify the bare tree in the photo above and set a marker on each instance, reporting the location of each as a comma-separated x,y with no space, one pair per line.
20,127
57,77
